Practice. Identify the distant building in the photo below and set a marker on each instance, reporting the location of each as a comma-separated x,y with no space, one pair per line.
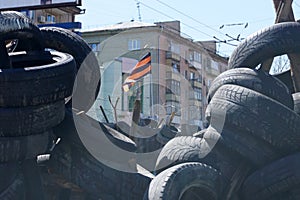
48,12
182,70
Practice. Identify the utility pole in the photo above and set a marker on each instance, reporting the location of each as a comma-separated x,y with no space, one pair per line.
139,10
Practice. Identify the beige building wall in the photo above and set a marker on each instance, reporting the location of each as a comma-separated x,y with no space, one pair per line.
196,68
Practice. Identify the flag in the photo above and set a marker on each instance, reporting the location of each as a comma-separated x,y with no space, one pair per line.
141,69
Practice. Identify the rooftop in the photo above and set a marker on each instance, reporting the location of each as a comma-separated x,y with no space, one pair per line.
121,25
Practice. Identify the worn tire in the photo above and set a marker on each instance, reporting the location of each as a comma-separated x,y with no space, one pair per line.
278,39
88,77
22,121
208,150
15,189
8,172
39,78
98,180
68,131
13,149
148,139
15,25
253,149
186,181
241,109
275,178
256,80
286,78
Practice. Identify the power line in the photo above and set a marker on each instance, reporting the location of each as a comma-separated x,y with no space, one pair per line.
189,26
173,18
209,27
182,13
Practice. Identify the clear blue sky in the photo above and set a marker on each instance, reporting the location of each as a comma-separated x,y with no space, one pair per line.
201,20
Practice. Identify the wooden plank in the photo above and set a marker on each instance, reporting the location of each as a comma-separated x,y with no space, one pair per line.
284,13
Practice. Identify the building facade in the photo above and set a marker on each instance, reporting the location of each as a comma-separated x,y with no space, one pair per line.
181,73
59,13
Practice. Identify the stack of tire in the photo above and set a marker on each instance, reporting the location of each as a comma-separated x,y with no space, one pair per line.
34,84
72,172
250,150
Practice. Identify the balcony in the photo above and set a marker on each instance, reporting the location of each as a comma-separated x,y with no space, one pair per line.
172,55
195,64
172,97
173,76
212,71
195,83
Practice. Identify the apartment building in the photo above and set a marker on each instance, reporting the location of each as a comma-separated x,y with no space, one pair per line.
182,70
60,13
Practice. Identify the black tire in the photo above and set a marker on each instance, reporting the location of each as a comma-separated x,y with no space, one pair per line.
296,98
241,109
166,133
256,80
13,149
15,190
68,131
22,121
278,39
277,177
291,194
32,180
8,172
98,180
208,150
146,139
186,181
88,76
254,150
15,25
286,78
38,78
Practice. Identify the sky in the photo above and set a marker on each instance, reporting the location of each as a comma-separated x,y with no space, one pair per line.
224,21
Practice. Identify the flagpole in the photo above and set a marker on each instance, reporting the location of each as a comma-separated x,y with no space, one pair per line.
151,92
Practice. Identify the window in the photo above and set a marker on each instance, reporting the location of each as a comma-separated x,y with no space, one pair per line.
173,87
51,18
134,44
199,78
198,94
175,67
95,47
175,48
209,83
173,107
192,75
214,65
197,56
191,57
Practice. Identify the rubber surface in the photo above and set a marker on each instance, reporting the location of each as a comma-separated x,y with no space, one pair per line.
88,78
37,82
186,181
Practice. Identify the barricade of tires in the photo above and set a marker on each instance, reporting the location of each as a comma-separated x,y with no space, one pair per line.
45,74
34,84
250,149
